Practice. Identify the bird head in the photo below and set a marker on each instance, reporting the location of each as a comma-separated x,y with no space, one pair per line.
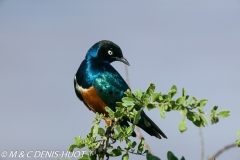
106,51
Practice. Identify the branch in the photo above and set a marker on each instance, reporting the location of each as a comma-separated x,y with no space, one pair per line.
222,150
108,133
189,107
202,143
127,151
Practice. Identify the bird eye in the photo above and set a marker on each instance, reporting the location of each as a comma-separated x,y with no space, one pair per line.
110,52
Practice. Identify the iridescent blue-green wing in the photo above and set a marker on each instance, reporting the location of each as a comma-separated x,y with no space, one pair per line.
110,87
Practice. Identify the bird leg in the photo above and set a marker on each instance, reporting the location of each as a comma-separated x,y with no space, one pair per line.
98,151
113,140
107,155
109,132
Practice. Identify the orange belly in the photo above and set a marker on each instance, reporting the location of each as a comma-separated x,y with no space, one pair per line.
94,102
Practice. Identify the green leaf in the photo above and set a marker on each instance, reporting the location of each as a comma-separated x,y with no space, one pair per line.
110,111
150,89
99,115
161,98
204,119
167,108
171,156
119,104
214,119
141,145
128,93
184,111
130,129
87,140
180,100
119,128
196,117
115,152
125,156
150,106
101,131
95,131
238,142
182,158
174,89
85,157
138,94
172,92
182,125
165,98
203,102
152,157
193,102
198,123
128,142
137,116
184,93
72,147
155,97
224,113
129,108
145,98
162,112
213,111
200,110
128,100
94,145
134,144
78,140
117,114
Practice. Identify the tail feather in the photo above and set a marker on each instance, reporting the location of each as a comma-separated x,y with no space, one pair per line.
150,127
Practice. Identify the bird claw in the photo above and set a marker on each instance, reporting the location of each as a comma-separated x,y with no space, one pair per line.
113,140
107,155
109,131
98,150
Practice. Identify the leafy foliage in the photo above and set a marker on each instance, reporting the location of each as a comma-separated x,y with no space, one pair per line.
238,140
98,139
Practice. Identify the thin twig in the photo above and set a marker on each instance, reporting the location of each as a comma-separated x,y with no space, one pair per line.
101,156
107,142
127,75
139,134
222,150
202,143
132,152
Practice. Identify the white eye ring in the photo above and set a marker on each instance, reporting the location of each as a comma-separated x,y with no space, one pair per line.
110,52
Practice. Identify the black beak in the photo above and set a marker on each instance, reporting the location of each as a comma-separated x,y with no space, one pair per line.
122,60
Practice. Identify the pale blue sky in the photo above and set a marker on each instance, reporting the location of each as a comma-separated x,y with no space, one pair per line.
193,44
